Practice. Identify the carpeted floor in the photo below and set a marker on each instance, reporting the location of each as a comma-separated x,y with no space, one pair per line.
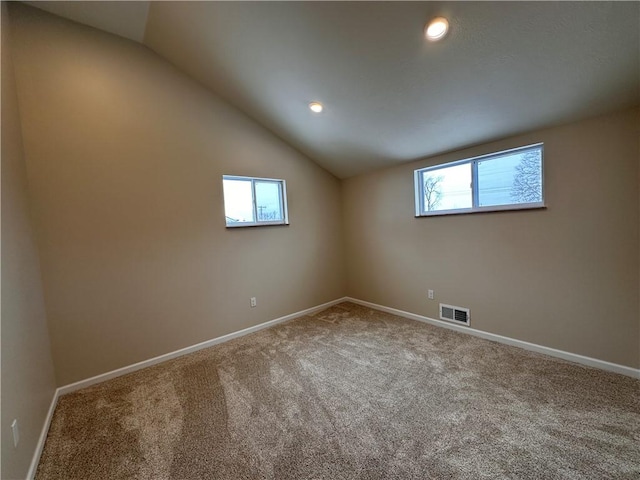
351,393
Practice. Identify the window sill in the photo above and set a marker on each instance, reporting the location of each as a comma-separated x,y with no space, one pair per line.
262,224
469,211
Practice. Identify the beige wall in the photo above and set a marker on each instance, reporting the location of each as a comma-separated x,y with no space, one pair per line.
28,381
125,156
565,277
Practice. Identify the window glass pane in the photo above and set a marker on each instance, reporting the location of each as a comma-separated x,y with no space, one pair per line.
447,188
510,179
269,201
238,201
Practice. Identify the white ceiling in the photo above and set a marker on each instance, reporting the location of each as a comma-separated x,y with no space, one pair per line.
391,96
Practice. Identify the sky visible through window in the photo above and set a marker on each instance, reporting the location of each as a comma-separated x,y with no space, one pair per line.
454,185
268,202
496,178
238,200
449,188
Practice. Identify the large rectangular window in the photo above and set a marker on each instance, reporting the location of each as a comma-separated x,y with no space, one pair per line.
249,201
508,180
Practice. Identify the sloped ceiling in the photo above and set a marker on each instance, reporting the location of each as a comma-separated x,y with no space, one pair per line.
390,96
127,19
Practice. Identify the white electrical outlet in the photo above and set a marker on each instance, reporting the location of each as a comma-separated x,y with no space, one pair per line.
16,432
253,302
430,294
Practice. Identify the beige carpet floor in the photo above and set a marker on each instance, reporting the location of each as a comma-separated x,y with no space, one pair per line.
351,393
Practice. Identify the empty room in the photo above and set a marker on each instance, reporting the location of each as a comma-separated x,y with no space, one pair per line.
320,240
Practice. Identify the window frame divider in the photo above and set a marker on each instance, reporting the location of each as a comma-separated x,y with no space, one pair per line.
475,191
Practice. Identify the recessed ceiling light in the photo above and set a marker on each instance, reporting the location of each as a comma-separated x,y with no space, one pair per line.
316,107
436,29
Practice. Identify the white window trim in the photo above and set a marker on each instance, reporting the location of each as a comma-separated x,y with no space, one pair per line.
260,223
419,195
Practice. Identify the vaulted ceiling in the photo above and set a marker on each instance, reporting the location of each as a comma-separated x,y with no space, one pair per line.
390,96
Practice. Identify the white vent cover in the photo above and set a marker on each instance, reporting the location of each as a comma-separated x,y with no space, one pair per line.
454,314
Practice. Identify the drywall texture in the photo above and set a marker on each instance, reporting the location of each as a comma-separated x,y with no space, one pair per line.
565,277
125,157
28,381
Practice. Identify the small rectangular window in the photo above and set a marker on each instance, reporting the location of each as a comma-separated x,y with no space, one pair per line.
508,180
250,202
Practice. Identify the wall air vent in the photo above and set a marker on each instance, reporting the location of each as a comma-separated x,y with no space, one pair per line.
454,314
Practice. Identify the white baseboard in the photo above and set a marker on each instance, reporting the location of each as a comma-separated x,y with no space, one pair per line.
591,362
153,361
572,357
184,351
43,437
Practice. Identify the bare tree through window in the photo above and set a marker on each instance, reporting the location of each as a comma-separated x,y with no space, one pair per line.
433,192
527,182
